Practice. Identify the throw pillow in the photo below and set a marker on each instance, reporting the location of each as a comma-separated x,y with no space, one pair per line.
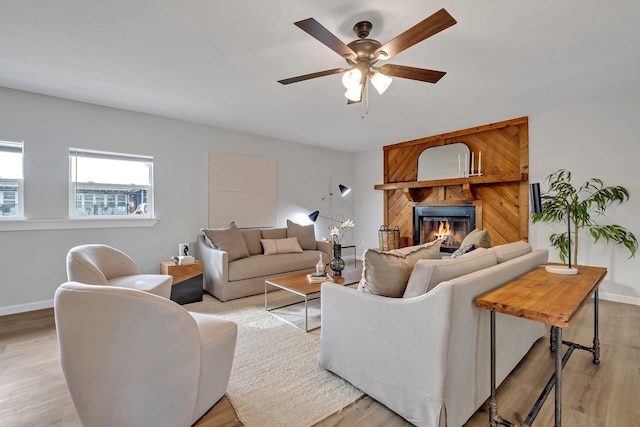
280,246
427,274
511,250
252,238
387,273
462,250
478,238
306,235
227,239
274,233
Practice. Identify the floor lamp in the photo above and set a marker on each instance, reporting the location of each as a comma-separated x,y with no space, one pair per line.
536,207
344,190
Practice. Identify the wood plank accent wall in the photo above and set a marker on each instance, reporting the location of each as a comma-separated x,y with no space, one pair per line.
501,195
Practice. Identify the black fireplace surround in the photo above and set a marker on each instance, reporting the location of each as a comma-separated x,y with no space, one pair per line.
430,221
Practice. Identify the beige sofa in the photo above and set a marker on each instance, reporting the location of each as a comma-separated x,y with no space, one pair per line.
427,357
228,279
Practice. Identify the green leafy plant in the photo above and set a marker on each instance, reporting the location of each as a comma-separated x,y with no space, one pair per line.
590,198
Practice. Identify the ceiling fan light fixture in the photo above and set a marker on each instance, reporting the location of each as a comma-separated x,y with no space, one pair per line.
353,94
351,78
380,82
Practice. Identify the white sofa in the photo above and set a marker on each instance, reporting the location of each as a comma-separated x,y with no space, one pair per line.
427,357
242,277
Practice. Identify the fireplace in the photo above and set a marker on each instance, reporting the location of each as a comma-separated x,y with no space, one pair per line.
452,223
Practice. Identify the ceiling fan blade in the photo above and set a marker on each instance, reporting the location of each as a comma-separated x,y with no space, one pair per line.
441,20
421,74
324,36
312,76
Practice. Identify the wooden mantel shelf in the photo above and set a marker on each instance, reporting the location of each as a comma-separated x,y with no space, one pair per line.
485,179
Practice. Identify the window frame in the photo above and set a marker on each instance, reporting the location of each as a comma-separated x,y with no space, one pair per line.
110,155
14,146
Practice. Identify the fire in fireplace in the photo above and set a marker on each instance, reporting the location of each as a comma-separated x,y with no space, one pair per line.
450,223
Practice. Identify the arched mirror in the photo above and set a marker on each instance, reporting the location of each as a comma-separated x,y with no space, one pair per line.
444,161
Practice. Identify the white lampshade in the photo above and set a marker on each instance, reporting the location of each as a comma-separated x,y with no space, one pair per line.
354,93
351,78
380,82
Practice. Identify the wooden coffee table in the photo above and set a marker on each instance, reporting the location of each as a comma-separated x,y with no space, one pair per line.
298,284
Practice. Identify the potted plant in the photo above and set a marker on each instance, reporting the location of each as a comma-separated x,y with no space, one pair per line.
590,198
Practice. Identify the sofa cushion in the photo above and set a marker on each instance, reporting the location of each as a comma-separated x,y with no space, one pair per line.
227,239
306,235
280,246
511,250
477,238
387,273
274,233
428,273
252,238
271,265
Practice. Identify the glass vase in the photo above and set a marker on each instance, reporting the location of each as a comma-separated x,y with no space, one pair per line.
337,263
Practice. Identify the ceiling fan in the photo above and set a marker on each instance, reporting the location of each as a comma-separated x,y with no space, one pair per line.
364,53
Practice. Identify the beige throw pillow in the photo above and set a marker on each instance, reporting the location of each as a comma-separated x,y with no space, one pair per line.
305,234
252,238
427,274
477,238
227,239
387,273
280,246
274,233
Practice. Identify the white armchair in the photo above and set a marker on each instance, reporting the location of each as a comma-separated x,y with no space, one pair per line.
131,358
97,264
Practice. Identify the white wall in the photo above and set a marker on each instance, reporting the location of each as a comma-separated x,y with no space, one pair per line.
593,138
32,263
597,138
368,203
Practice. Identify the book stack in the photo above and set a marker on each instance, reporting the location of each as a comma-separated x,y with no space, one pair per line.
319,278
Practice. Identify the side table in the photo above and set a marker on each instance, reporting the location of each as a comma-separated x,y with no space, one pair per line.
553,299
187,281
355,253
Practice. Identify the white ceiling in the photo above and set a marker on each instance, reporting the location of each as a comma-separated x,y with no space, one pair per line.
217,62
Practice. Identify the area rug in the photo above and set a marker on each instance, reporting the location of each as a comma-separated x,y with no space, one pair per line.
275,380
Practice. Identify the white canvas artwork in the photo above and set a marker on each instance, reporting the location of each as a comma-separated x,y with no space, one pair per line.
242,189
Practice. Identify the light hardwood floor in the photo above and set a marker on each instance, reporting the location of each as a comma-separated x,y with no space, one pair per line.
33,392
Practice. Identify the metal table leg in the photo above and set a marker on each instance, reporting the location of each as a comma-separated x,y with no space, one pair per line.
493,405
558,385
596,338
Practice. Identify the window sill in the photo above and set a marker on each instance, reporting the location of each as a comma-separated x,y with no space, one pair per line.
76,223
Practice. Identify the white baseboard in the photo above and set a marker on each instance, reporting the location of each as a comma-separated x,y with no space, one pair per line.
22,308
625,299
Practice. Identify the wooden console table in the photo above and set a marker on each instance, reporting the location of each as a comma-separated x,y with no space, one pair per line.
555,300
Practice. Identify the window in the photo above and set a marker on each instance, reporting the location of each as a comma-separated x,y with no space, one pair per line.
110,184
11,179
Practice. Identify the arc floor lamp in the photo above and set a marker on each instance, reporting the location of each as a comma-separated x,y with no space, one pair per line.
344,190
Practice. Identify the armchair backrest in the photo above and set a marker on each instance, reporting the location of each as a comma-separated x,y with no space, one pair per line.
129,357
95,264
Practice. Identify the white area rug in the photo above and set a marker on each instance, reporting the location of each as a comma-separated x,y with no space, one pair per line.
275,380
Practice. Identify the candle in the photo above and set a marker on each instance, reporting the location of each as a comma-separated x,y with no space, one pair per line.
459,166
479,162
472,168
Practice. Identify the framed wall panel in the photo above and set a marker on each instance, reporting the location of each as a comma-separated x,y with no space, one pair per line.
242,189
